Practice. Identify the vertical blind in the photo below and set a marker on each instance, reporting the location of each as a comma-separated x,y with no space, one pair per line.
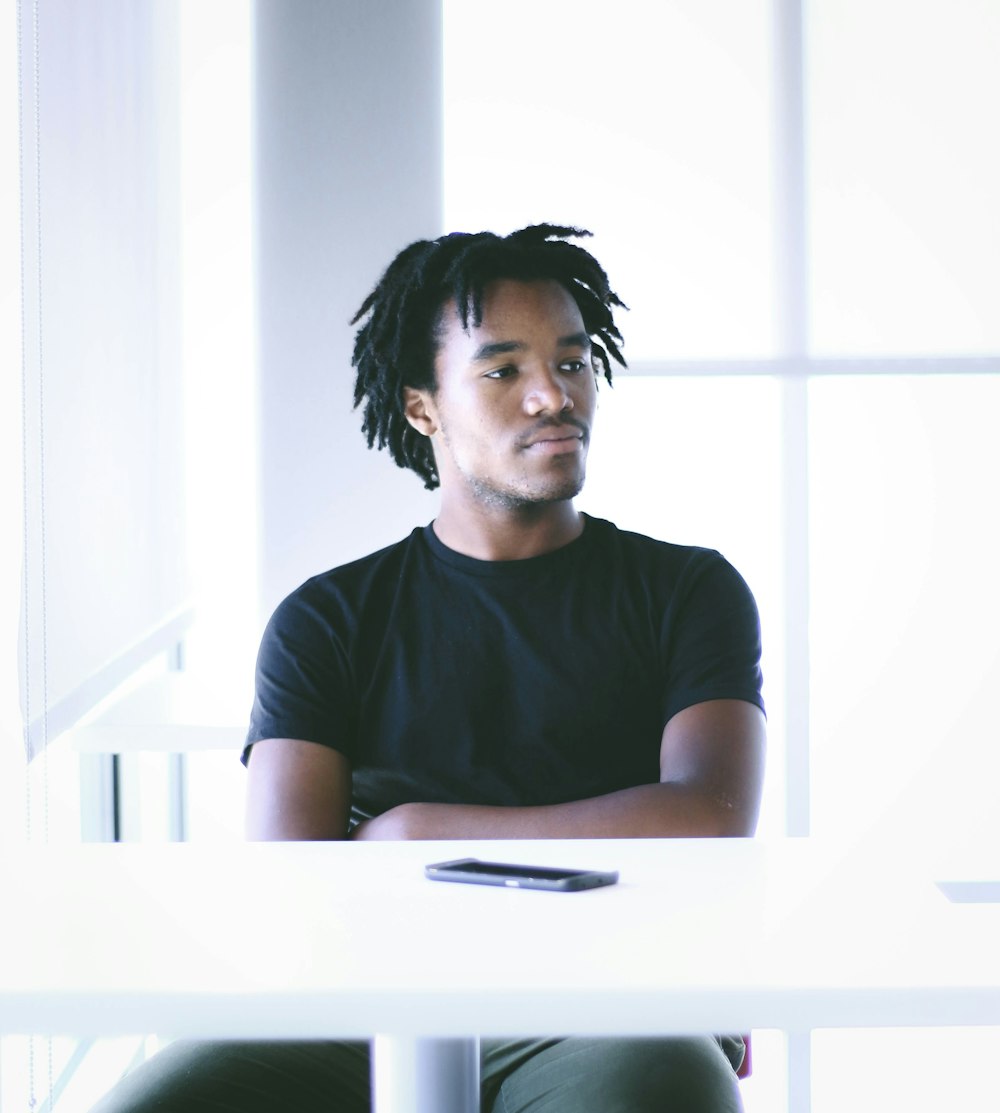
103,578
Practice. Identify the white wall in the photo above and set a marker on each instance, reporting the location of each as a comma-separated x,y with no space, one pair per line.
348,171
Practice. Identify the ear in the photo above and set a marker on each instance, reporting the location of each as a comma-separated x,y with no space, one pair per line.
419,410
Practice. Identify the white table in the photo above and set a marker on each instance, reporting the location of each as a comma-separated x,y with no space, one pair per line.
321,940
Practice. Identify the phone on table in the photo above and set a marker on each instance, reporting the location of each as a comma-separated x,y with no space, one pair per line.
476,872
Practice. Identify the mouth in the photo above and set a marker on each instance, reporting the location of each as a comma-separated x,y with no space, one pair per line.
554,445
552,438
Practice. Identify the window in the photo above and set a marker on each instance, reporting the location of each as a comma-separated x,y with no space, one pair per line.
796,200
153,204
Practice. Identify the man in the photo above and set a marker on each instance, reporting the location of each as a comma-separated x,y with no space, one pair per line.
514,670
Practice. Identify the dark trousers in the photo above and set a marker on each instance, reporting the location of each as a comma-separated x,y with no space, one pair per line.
580,1075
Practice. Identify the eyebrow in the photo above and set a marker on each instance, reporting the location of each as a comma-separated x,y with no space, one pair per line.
502,347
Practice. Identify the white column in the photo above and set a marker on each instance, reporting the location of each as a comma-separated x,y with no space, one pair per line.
792,297
347,136
792,304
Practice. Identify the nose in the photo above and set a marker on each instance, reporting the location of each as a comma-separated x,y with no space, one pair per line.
547,393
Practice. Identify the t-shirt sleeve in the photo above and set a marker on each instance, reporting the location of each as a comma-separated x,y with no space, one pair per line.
302,685
711,638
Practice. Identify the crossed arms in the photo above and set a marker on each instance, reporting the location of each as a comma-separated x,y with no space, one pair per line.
711,773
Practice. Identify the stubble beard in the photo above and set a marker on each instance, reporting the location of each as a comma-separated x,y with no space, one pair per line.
490,495
511,497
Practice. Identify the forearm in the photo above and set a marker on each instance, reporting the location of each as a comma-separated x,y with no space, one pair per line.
645,811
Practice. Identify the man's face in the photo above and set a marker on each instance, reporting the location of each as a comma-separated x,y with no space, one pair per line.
511,414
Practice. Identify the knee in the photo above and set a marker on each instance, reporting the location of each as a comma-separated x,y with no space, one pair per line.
168,1082
686,1075
679,1075
246,1077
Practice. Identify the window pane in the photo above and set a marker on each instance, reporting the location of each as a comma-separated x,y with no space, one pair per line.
697,462
905,606
648,125
904,174
919,1070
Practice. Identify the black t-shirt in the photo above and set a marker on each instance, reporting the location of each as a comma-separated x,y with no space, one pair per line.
448,679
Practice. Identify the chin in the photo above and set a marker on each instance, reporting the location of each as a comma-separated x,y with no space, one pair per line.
521,498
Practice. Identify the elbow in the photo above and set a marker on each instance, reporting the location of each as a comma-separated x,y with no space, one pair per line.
733,818
724,814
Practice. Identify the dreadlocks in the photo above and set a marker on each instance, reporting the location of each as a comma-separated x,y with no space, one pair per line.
396,346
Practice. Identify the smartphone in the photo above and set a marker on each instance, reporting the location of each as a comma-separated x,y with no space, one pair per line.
475,872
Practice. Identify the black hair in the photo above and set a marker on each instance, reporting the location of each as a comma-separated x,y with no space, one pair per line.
396,346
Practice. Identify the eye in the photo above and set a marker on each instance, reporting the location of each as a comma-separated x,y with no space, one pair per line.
500,373
574,366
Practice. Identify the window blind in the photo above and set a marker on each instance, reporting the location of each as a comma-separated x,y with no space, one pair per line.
104,586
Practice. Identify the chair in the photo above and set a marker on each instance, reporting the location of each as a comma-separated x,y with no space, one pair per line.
746,1067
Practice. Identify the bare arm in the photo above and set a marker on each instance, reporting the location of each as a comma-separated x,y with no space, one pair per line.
297,790
711,773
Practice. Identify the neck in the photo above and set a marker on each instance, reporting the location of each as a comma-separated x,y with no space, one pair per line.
508,534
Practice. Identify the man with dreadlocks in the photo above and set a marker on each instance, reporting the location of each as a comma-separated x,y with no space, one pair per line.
515,669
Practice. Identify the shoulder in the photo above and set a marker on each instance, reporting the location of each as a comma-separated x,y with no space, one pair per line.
709,625
357,577
665,561
337,599
684,585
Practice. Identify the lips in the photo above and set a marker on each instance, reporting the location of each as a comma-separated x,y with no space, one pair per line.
566,433
554,439
561,445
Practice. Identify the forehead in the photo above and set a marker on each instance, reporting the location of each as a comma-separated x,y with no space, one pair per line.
512,310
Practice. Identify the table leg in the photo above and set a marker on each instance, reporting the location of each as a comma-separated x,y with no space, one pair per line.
411,1075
